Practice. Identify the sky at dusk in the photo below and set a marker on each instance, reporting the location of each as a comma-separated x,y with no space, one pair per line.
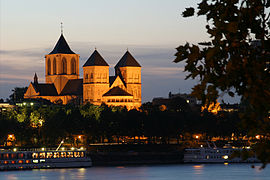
150,29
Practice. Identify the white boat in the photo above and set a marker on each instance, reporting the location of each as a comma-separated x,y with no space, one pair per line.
215,155
43,159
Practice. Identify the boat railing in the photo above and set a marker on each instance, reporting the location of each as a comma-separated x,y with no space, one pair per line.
38,149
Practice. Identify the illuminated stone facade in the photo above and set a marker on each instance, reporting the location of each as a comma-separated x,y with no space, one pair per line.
64,86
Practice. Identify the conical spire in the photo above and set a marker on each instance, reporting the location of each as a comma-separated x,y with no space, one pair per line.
35,79
127,60
62,47
95,60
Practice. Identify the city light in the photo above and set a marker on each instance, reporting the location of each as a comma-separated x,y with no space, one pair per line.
213,107
15,149
43,149
225,157
257,136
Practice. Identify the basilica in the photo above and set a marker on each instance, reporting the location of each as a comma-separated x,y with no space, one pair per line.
63,83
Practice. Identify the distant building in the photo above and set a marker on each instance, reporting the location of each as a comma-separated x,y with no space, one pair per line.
229,107
192,101
64,86
6,107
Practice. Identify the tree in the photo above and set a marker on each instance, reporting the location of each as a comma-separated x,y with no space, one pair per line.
18,94
236,59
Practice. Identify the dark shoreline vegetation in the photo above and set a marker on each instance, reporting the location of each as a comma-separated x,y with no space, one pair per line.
38,126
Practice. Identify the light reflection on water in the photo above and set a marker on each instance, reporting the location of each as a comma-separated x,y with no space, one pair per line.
154,172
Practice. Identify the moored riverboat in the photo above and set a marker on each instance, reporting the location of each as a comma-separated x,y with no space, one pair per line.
10,160
216,155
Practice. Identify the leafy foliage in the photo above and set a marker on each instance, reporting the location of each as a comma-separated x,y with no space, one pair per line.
48,125
236,59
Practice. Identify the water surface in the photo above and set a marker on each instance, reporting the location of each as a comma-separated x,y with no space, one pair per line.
153,172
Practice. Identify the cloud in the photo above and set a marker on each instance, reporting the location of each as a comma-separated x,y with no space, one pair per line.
14,76
173,72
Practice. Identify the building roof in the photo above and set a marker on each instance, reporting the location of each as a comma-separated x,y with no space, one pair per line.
127,60
62,47
73,87
45,89
111,79
95,60
117,91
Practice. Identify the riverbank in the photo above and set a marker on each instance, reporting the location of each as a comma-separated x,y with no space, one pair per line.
116,155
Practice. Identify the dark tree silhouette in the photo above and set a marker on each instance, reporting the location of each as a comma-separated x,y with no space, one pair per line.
17,94
236,59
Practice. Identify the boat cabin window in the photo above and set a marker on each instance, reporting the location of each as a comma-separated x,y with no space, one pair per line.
42,155
76,154
20,156
56,155
20,161
13,156
70,154
5,156
63,154
35,155
49,155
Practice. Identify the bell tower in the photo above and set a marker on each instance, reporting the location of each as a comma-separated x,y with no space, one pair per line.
96,78
130,71
62,64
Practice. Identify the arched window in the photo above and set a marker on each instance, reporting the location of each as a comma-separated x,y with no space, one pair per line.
73,66
64,66
54,66
49,67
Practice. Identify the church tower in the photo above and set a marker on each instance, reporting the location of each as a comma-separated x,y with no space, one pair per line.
130,71
62,64
96,78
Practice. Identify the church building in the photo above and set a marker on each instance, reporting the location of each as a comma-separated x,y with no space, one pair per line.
63,84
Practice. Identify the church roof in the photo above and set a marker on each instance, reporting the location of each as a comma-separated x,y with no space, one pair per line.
95,60
117,91
45,89
127,60
111,79
62,47
73,87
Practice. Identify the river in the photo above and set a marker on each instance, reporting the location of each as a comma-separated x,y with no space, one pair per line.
150,172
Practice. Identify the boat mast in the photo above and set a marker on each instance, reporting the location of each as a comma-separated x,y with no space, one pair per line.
59,145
